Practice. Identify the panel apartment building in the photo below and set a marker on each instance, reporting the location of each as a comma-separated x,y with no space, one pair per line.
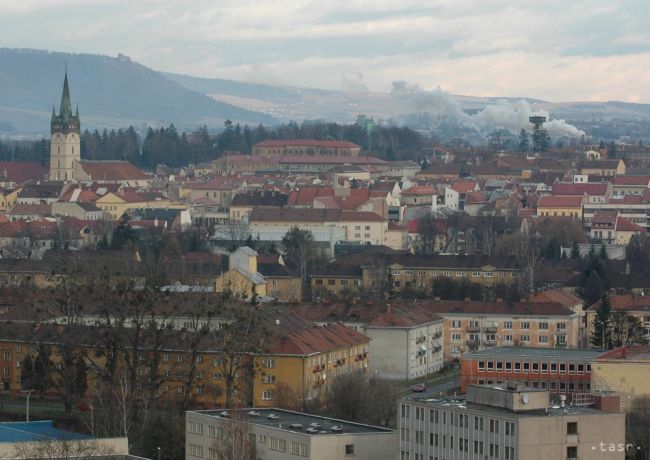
511,423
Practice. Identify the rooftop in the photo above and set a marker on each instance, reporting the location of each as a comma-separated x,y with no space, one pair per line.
529,352
639,353
35,431
297,422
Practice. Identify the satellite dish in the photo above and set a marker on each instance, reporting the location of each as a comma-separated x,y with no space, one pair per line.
277,322
423,347
525,399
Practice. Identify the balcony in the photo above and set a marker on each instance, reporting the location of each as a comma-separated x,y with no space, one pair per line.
490,341
473,344
473,329
490,330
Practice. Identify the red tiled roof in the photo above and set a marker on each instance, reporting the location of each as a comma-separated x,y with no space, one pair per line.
305,195
624,225
604,217
631,180
475,197
21,171
640,353
568,188
307,143
404,317
420,190
32,209
559,296
112,170
551,201
626,302
463,186
317,339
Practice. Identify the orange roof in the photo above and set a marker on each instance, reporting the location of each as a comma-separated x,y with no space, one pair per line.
624,225
404,317
360,216
463,186
420,190
21,171
558,296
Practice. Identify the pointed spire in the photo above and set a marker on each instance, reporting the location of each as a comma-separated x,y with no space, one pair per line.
76,115
66,108
53,112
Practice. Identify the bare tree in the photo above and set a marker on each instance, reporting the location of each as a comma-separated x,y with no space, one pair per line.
236,442
59,449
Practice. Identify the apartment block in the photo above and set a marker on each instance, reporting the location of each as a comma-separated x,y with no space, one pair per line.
276,434
507,423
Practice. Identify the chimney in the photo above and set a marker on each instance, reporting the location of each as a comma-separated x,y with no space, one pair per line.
562,401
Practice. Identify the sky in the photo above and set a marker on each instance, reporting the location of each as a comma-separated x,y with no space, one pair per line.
556,50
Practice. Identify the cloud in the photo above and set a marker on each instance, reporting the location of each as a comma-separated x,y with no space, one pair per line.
553,49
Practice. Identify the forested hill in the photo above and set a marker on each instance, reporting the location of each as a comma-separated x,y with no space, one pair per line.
111,92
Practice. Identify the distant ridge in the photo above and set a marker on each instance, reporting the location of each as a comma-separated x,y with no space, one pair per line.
111,92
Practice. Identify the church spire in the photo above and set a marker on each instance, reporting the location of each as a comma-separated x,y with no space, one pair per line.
65,111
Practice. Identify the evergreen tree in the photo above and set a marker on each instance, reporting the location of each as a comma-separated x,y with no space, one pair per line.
603,251
27,377
611,150
602,333
524,141
575,250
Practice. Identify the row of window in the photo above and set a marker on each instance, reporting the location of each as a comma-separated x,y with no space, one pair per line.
458,274
544,368
541,325
438,416
464,446
509,338
342,282
544,384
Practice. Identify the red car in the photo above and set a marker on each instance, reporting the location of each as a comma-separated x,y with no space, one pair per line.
419,388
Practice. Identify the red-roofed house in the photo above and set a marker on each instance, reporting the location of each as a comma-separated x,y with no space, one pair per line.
630,185
610,228
18,172
560,206
298,147
456,193
113,171
418,195
29,211
594,192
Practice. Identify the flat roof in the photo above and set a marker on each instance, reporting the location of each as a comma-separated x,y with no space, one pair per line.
534,352
35,431
460,404
297,422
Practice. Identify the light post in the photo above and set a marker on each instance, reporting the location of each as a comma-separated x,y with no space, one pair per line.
29,393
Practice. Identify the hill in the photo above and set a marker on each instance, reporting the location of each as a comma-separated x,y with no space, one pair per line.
111,92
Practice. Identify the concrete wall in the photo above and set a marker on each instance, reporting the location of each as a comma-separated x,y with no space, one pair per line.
629,379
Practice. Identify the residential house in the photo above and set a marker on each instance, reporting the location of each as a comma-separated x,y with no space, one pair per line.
301,147
560,206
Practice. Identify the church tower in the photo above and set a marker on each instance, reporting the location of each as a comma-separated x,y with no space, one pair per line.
65,143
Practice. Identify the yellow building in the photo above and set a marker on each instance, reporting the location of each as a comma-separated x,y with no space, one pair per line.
8,199
633,305
560,206
115,205
624,370
298,361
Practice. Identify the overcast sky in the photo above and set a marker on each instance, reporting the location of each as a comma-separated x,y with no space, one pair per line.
551,49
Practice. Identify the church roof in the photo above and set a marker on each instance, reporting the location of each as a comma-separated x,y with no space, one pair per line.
66,106
112,170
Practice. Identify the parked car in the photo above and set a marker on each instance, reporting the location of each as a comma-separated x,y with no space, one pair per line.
419,388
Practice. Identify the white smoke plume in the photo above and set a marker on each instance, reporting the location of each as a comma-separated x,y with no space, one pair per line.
501,115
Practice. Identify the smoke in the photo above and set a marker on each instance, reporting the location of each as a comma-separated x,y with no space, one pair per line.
501,115
354,85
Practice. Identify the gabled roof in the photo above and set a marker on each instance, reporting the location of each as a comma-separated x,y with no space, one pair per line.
631,180
627,302
307,339
112,170
603,217
404,317
589,188
463,186
624,225
306,195
420,190
551,201
558,296
21,171
31,209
